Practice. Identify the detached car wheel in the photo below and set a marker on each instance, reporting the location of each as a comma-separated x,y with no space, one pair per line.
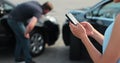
66,34
75,48
37,44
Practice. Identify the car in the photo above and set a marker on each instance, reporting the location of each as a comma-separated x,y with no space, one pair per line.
100,15
46,31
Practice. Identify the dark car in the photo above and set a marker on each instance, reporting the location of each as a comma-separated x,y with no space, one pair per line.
101,15
46,31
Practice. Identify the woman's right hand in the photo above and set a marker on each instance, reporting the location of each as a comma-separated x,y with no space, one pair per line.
81,29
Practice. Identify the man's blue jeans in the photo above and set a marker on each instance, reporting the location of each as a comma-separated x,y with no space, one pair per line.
22,43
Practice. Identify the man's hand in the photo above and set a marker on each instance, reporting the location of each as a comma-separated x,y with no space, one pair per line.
27,35
31,25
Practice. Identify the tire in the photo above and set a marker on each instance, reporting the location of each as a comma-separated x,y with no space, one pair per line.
70,40
78,50
75,52
37,43
66,34
52,32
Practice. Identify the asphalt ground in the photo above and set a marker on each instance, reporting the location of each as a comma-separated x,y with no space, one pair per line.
58,53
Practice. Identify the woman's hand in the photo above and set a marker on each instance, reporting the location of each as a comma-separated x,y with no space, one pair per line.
81,29
88,27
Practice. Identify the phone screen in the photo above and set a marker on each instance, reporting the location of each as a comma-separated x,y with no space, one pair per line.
72,18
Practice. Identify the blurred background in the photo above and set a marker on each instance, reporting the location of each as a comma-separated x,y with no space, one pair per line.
58,53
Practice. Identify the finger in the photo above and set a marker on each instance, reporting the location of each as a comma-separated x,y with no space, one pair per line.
71,24
79,25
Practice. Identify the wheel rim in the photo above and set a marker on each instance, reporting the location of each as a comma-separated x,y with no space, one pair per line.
37,43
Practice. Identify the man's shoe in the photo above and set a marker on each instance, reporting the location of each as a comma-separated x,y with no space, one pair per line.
20,60
32,61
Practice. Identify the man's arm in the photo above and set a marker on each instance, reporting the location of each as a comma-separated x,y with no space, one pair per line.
30,26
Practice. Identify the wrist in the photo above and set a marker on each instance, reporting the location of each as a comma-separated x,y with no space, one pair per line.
25,33
83,37
93,33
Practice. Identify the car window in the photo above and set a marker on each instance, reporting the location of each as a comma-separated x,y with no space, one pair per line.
110,10
94,10
7,6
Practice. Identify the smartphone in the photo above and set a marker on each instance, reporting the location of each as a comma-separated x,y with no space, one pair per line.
71,18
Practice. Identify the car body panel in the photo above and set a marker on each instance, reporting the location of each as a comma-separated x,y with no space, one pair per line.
42,30
100,15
